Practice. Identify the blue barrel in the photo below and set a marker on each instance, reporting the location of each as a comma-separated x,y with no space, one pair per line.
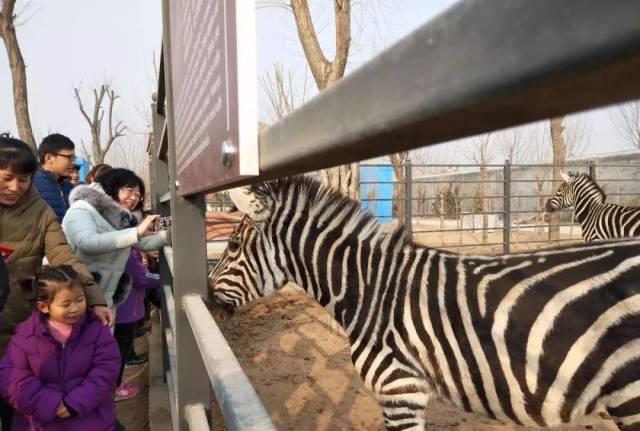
370,194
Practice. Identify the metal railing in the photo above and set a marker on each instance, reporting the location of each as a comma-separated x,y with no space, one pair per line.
514,218
460,76
239,403
242,408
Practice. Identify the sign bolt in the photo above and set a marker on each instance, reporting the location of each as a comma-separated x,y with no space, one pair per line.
227,152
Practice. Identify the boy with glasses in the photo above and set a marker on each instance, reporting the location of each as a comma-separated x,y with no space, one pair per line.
57,156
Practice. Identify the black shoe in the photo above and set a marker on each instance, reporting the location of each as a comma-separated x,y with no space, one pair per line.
137,360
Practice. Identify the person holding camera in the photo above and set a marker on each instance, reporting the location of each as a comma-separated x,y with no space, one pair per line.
101,227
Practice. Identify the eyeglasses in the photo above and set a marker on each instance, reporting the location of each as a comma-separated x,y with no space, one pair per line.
131,192
70,157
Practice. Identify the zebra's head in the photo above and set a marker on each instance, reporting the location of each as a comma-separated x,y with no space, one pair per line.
241,276
565,196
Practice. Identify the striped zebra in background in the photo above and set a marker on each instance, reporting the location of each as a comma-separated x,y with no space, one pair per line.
538,338
598,219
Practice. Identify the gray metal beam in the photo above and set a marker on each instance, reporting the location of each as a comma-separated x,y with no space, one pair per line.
165,198
188,261
483,65
161,93
173,403
162,148
159,170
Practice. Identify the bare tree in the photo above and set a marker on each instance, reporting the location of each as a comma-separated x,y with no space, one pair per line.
559,149
141,106
514,144
325,72
114,131
398,161
627,122
576,135
130,152
439,159
282,96
18,72
482,155
423,156
541,153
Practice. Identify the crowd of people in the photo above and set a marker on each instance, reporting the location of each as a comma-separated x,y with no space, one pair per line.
77,270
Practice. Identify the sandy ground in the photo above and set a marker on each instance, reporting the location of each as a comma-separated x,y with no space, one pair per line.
298,360
472,242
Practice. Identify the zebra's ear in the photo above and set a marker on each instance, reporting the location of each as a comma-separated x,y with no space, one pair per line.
565,177
247,202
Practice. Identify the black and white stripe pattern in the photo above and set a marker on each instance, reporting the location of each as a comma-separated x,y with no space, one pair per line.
537,338
598,219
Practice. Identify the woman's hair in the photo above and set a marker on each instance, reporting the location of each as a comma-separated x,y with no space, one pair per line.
53,279
118,178
17,156
96,171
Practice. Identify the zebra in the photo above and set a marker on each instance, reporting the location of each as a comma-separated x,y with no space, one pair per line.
598,219
538,339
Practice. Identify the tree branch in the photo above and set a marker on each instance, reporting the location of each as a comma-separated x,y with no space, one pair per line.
119,129
627,122
318,63
97,119
94,120
81,107
342,10
86,153
18,72
6,13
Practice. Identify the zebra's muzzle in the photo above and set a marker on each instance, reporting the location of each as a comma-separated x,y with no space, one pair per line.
550,207
223,310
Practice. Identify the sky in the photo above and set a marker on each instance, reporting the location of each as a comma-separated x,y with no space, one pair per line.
80,43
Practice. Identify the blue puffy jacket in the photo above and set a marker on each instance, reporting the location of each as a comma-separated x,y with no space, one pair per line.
55,193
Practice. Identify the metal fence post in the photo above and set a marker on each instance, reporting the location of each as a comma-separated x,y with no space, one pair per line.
506,219
591,169
159,177
159,171
408,198
189,261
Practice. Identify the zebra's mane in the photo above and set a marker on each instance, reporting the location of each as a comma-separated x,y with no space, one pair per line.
594,183
323,203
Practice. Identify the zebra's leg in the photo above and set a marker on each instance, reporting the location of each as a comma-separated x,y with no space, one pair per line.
404,405
627,414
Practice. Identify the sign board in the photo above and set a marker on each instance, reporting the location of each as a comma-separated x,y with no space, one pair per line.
213,67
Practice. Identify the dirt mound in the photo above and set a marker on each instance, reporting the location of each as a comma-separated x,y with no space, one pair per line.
297,358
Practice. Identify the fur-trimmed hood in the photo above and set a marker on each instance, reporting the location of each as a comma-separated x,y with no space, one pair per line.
118,217
101,233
